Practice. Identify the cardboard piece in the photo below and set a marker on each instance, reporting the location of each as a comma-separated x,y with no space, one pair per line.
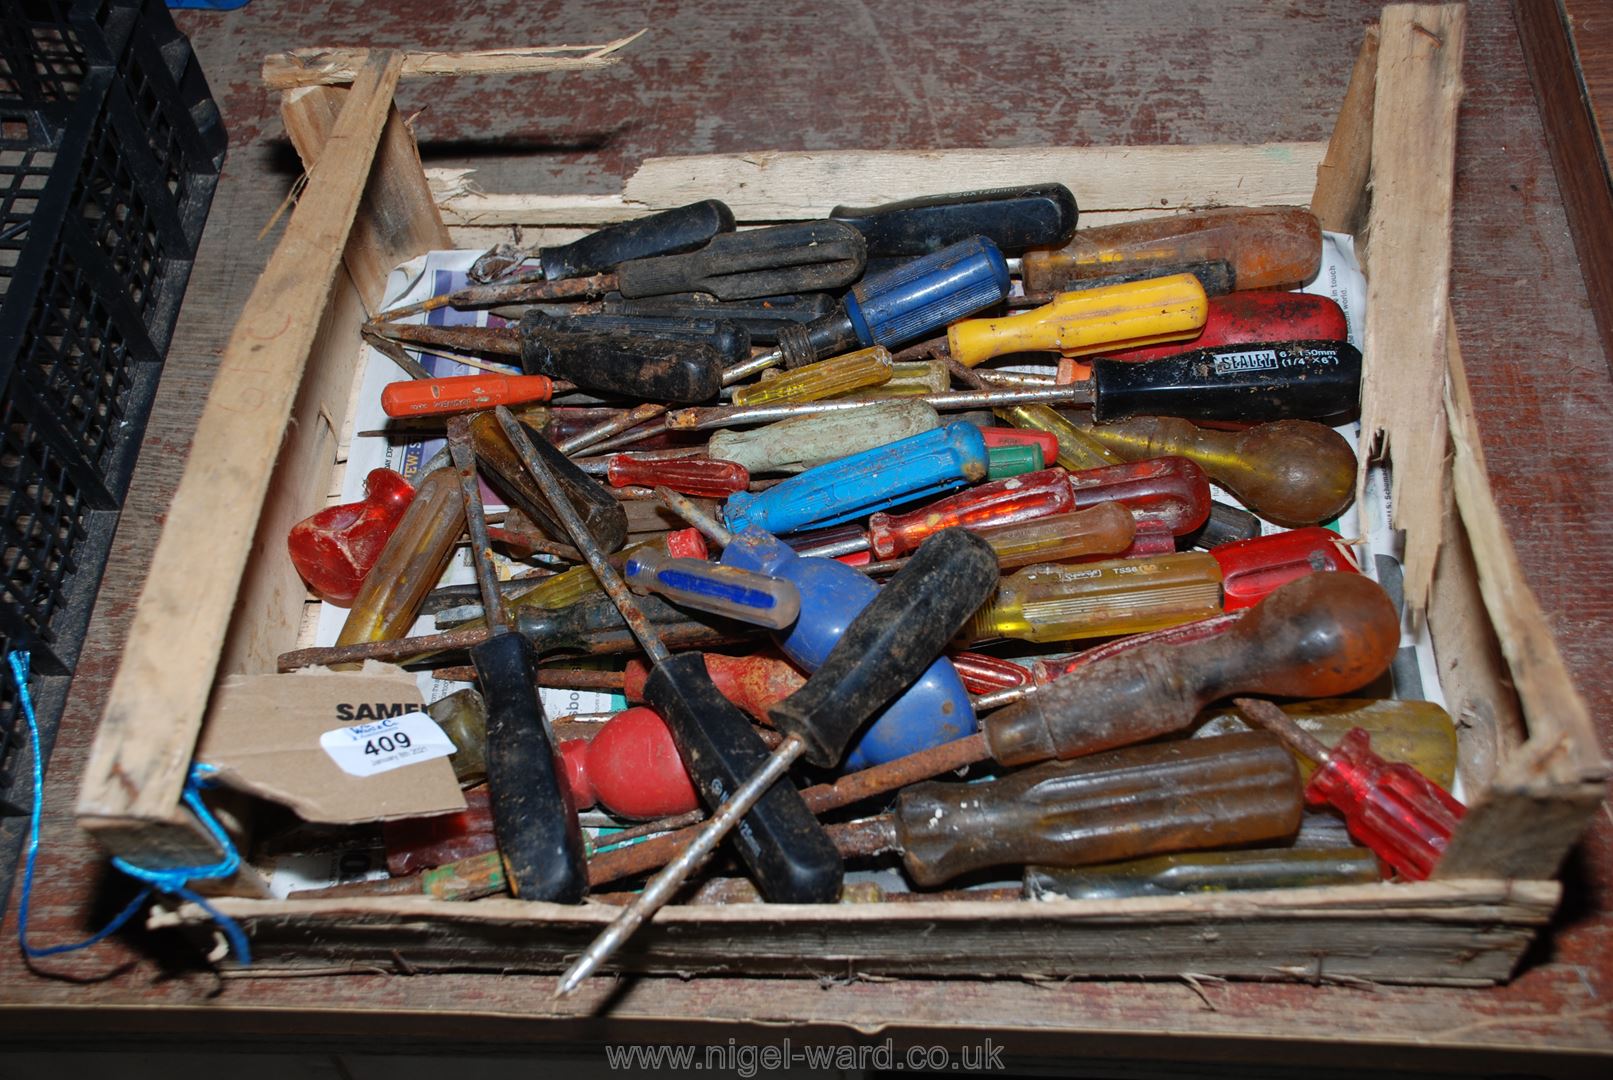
262,732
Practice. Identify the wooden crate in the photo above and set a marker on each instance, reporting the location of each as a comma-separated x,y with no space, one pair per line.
222,599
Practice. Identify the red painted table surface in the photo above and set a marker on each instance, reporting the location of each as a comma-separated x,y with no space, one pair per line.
742,75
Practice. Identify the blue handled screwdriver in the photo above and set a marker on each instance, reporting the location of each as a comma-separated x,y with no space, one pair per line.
894,307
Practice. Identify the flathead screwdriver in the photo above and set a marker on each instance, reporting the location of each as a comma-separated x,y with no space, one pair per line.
681,228
1013,218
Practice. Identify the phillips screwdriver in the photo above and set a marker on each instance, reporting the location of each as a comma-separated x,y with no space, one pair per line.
721,590
896,306
1267,247
823,379
1175,796
782,844
534,816
1013,218
888,645
1320,636
334,549
683,228
811,440
1405,818
1251,569
806,257
1087,321
609,362
860,484
1292,472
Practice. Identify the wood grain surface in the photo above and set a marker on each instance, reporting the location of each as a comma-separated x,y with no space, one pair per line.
904,74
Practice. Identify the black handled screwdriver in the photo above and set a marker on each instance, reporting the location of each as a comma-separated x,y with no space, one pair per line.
1013,218
885,649
804,257
763,316
783,845
534,814
683,228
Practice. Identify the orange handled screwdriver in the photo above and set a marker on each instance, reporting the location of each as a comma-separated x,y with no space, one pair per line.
465,393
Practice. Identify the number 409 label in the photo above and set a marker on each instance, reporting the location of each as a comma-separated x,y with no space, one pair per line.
368,749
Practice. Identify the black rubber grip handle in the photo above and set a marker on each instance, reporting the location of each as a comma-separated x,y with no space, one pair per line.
790,857
810,256
1224,525
890,643
1296,380
730,340
763,316
683,228
633,365
1014,218
534,815
601,511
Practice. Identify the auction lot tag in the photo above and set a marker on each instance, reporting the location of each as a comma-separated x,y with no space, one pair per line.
387,744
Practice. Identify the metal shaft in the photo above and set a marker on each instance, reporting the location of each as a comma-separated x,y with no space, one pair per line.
598,434
746,368
481,547
709,527
1263,714
666,883
609,579
705,418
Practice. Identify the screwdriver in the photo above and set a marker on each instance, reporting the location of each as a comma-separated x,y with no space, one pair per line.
1013,218
1105,530
1076,448
731,341
534,816
760,316
755,683
823,379
1055,602
809,256
908,379
1173,796
1405,818
1087,321
462,393
1248,318
1011,436
1267,247
682,228
1273,381
691,476
721,590
334,548
1292,472
889,644
895,306
1253,568
1319,636
631,768
1171,490
608,362
806,441
860,484
606,519
782,844
1224,525
1206,872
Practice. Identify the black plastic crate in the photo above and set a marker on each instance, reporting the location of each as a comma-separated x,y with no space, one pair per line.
110,146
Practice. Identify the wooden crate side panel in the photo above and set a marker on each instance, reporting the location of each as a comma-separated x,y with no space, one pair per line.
1111,182
1340,199
1466,933
148,732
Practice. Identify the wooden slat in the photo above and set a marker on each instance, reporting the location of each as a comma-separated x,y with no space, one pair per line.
315,66
1419,85
154,710
1340,199
398,217
1536,806
1459,932
785,186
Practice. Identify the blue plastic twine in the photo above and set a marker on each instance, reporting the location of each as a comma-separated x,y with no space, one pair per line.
174,881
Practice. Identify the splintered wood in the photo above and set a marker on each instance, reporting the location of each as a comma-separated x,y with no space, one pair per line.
316,66
1419,84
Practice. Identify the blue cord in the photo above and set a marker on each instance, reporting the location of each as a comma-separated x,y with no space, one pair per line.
175,880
